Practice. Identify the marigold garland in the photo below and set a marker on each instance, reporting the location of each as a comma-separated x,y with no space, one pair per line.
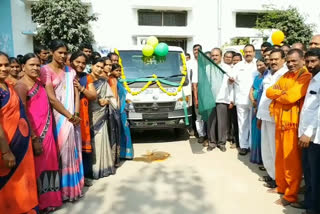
134,93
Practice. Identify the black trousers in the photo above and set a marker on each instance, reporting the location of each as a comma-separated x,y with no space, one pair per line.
311,170
217,126
87,164
233,132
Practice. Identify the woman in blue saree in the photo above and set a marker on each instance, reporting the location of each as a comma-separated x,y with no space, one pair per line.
255,95
126,148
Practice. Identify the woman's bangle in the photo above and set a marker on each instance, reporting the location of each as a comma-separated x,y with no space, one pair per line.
4,153
71,118
33,137
77,114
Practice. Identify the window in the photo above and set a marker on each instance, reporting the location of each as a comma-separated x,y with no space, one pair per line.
162,18
247,20
150,18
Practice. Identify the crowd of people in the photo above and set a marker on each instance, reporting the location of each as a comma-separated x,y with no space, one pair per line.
63,120
62,124
269,107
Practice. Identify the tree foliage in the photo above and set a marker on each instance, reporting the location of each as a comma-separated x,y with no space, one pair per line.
240,41
67,20
289,21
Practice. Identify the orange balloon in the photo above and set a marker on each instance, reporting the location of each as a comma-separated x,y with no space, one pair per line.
277,37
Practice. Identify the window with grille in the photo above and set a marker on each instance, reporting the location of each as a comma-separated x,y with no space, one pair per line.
162,18
247,20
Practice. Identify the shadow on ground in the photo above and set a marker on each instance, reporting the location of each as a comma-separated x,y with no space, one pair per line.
161,189
159,136
92,203
255,169
196,147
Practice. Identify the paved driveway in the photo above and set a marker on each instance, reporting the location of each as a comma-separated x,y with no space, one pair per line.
192,181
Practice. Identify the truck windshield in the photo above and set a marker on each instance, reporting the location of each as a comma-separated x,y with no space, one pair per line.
136,66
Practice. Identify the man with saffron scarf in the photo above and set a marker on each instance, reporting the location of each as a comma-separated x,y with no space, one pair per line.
287,97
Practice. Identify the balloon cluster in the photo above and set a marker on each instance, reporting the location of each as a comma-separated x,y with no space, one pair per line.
154,47
277,37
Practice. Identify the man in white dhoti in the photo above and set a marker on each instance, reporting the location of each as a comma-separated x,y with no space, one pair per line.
266,122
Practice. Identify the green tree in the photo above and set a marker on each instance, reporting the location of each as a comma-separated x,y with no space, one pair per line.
289,21
67,20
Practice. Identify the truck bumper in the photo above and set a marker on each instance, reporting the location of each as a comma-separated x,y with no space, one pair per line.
174,119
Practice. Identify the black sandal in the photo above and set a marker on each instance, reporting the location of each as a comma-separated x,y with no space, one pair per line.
262,168
270,185
298,205
266,178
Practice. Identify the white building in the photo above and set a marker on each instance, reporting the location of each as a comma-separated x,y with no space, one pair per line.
210,23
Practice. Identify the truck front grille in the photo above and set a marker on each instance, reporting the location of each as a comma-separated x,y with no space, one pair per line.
154,107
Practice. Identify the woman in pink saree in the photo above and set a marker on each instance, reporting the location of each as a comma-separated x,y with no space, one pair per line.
64,98
33,95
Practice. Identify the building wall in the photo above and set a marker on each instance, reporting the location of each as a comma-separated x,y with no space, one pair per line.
118,22
22,24
6,40
117,25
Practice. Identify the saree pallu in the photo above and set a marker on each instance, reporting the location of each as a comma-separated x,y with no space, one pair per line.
126,147
85,80
47,164
18,188
103,164
67,135
255,155
114,122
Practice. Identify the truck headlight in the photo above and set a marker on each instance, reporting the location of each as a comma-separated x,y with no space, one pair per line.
179,103
129,106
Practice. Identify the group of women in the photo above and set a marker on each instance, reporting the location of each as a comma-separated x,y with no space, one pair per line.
59,128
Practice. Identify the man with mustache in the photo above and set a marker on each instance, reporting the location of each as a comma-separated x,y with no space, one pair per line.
217,122
287,97
309,133
242,78
266,122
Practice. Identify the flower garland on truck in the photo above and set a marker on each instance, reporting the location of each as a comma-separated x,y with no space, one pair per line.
154,79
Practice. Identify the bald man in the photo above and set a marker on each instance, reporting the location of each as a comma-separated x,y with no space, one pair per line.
299,45
315,42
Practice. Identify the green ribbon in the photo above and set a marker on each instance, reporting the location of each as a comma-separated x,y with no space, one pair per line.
151,79
174,84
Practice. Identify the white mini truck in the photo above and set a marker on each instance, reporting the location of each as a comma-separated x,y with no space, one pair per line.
153,108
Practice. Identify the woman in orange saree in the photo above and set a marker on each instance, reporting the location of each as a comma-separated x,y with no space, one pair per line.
84,83
18,188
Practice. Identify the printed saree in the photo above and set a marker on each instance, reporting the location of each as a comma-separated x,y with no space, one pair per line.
18,188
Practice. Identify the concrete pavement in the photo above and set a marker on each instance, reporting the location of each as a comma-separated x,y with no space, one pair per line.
191,181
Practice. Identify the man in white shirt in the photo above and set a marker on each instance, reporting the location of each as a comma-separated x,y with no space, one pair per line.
217,122
193,72
242,78
266,122
309,134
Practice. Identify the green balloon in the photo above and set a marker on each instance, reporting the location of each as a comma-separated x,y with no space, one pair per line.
147,50
162,49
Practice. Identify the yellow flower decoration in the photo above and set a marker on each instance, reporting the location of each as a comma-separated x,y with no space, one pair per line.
134,93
